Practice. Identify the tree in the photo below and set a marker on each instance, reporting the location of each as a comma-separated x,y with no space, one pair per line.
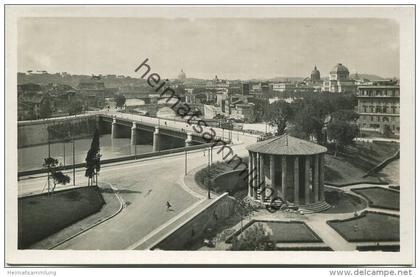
93,159
260,108
342,132
45,108
119,100
56,175
345,115
75,107
254,238
278,115
387,131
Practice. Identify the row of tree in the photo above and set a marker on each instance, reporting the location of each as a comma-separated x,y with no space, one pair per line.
93,165
45,109
324,117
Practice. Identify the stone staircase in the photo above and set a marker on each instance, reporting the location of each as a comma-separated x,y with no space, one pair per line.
303,209
314,207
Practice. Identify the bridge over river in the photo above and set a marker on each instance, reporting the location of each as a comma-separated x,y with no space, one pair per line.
122,136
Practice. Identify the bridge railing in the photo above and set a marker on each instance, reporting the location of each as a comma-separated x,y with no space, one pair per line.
121,159
180,125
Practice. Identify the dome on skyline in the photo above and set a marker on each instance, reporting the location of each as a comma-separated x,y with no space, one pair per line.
339,68
182,76
315,74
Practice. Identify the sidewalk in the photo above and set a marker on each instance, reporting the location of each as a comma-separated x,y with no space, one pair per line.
187,183
166,229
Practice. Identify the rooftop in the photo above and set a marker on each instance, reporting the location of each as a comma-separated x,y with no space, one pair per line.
286,145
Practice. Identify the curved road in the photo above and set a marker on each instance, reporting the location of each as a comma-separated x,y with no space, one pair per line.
145,186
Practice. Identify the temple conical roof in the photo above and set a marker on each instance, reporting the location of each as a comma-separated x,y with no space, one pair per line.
286,145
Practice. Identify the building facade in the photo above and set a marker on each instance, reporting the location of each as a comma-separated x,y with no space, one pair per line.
378,107
339,81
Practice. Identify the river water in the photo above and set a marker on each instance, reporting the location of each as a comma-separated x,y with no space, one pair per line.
32,157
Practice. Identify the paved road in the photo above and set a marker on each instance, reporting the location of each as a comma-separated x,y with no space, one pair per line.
145,186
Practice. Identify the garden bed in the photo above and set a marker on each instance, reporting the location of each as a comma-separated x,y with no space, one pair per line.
368,227
282,231
380,197
40,216
342,202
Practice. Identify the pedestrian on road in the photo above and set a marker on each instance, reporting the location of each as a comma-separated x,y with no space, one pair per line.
168,206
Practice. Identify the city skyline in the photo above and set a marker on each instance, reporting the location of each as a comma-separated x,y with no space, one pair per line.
292,47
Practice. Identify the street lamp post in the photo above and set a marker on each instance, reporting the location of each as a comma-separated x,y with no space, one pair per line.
211,155
74,168
186,169
208,175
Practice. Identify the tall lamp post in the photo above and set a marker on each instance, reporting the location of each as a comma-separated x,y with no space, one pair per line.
186,169
208,175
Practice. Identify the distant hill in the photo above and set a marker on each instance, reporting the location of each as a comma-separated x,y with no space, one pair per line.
279,79
370,77
110,81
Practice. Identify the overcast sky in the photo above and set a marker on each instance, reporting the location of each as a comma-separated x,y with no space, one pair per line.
230,48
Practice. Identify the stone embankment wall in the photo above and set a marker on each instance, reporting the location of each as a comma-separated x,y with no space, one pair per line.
37,132
231,181
196,227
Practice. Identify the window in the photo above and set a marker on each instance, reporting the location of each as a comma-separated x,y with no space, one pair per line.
384,109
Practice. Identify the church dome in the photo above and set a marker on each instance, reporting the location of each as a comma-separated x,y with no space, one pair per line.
315,74
339,68
182,75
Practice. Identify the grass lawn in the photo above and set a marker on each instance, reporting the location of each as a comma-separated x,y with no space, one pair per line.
42,215
369,226
216,169
381,197
368,155
287,231
350,167
343,202
339,172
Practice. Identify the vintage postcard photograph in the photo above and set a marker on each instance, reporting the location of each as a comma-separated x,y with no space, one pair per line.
211,135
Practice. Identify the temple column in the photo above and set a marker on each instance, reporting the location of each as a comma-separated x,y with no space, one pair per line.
156,140
256,173
296,180
307,168
315,178
188,141
262,178
134,134
283,178
250,175
272,177
321,178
